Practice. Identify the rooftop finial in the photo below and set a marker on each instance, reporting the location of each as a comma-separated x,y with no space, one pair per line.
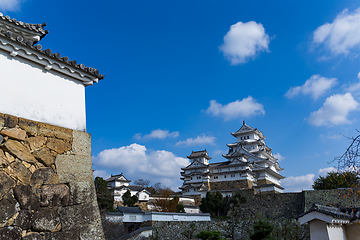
243,122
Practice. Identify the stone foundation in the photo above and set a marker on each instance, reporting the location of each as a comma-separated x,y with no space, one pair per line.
46,182
231,185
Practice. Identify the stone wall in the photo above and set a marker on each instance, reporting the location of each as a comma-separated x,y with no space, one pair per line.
291,205
226,185
46,182
282,229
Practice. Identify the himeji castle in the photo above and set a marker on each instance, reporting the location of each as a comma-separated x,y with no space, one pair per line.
250,164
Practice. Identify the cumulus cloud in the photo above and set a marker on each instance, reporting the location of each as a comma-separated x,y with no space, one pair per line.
244,41
279,157
299,183
244,108
354,87
342,35
334,111
158,134
323,171
10,5
135,161
101,173
315,86
198,141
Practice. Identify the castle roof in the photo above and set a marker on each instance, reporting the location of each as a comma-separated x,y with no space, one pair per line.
119,177
19,39
247,129
198,154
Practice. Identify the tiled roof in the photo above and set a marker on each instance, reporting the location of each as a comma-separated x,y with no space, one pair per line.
199,154
38,28
128,209
342,213
115,177
131,187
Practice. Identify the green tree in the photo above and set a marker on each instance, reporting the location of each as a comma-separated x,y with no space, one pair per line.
206,235
129,200
212,203
180,208
262,230
334,180
104,198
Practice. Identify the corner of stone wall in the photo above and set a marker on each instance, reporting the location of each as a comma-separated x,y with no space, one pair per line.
75,169
46,182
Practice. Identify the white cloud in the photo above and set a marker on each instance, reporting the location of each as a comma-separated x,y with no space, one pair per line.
158,134
342,35
244,41
334,111
10,5
198,141
219,152
136,162
331,136
354,87
101,173
315,86
323,171
279,157
299,183
244,108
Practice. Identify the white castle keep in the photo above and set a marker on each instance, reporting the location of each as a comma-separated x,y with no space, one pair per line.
250,164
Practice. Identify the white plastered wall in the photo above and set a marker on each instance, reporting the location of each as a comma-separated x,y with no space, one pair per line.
29,91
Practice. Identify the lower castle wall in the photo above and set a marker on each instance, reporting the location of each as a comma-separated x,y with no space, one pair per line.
226,185
46,182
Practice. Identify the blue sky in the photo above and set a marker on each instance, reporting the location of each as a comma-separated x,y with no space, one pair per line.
182,75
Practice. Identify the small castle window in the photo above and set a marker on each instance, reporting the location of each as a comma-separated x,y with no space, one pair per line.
247,137
224,176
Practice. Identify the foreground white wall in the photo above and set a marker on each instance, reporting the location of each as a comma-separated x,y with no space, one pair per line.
29,91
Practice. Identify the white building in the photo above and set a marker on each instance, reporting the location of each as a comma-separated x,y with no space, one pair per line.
45,87
329,223
250,164
134,214
118,185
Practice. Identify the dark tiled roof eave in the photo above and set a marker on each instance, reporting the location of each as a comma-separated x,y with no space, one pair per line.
38,28
47,52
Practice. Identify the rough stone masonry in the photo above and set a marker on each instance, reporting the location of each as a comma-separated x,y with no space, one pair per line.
46,182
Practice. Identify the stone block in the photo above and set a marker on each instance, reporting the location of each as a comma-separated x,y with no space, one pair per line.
42,176
26,198
24,219
73,235
7,208
15,133
36,236
72,168
13,233
55,195
81,192
6,183
20,172
46,220
3,160
10,121
45,156
20,151
84,217
59,146
46,130
81,143
36,142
